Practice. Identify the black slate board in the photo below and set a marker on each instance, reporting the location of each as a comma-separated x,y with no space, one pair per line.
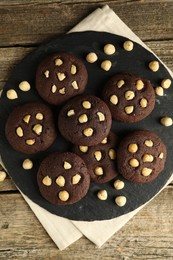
89,208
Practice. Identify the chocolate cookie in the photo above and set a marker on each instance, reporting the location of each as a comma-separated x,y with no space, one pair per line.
30,128
59,77
141,156
85,120
130,98
100,159
63,178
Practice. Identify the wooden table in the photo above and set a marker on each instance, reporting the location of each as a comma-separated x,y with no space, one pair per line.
23,26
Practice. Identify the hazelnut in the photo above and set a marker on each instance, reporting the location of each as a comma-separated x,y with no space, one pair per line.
60,181
58,62
38,129
63,195
149,143
73,69
146,171
129,95
118,185
76,179
61,76
47,181
112,154
74,84
161,155
106,65
120,201
166,83
154,65
101,116
88,131
3,175
143,102
30,141
105,140
24,86
26,118
114,99
120,83
39,116
98,171
19,131
159,91
166,121
83,149
98,155
102,195
129,109
62,91
91,57
128,45
54,89
132,148
67,165
46,73
139,84
148,158
134,163
27,164
70,113
86,104
83,119
11,94
109,49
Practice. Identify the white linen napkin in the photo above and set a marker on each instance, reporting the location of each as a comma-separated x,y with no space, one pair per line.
63,231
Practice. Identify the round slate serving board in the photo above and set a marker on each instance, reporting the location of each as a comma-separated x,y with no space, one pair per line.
136,62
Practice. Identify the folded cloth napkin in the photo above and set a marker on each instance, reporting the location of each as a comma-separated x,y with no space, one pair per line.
63,231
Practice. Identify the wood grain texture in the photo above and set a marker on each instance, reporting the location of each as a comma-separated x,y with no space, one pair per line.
22,237
23,26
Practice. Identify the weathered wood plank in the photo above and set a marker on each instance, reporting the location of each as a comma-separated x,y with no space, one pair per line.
147,236
31,23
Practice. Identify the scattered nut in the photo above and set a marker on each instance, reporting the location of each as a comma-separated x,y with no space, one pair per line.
148,158
105,140
129,95
161,155
63,195
38,129
106,65
39,116
74,84
47,181
98,155
61,76
83,148
101,116
54,89
88,131
3,175
67,165
112,154
76,179
102,195
109,49
58,62
86,104
60,181
91,57
134,163
166,83
30,141
159,91
73,69
120,83
118,185
114,99
143,102
46,73
26,118
62,91
129,109
120,201
19,131
83,119
70,113
24,86
146,171
166,121
128,45
98,171
139,84
149,143
154,65
132,148
11,94
27,164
